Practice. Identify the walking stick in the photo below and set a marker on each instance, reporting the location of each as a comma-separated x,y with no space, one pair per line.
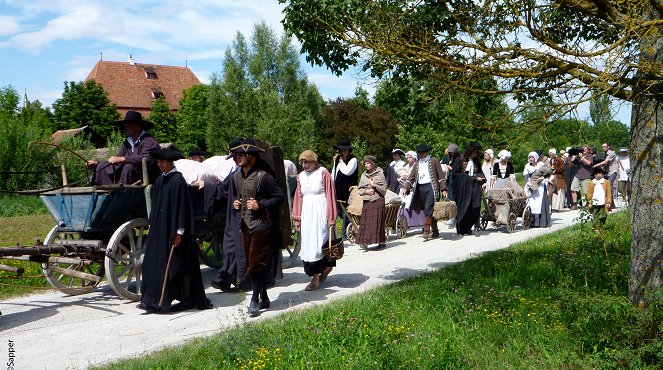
165,276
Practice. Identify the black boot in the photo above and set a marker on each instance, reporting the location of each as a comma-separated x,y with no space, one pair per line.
436,232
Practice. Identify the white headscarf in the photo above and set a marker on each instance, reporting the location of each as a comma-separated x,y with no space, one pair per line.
504,155
535,155
411,153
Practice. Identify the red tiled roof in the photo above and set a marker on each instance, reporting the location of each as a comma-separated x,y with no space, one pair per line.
129,87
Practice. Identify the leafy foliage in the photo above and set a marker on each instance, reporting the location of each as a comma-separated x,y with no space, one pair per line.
262,93
165,121
85,104
191,119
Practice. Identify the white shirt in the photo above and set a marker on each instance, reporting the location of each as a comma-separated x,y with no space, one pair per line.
345,169
133,143
598,198
423,176
624,168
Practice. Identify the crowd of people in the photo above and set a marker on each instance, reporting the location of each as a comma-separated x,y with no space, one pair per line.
249,196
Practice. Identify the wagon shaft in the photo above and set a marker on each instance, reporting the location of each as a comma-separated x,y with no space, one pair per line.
31,251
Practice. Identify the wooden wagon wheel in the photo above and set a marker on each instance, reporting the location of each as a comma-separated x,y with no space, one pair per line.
70,273
483,222
511,222
124,258
527,218
210,248
351,233
291,253
401,226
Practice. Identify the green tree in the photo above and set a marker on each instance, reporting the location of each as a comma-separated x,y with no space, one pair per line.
534,48
191,119
22,165
165,121
263,93
85,104
600,109
372,131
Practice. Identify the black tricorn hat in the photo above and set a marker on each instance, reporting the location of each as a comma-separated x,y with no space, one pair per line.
423,148
247,146
197,152
398,151
343,145
167,154
133,116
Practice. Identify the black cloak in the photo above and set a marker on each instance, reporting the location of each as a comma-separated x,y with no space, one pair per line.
172,209
467,194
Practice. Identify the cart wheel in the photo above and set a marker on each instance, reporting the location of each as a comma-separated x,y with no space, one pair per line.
70,277
401,226
484,220
291,254
351,233
124,258
527,218
210,249
511,223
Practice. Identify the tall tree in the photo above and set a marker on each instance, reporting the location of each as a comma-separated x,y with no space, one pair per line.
165,121
263,93
85,104
533,47
600,109
191,119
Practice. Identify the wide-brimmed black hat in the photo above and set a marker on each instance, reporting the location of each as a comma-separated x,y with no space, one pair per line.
133,116
423,148
598,169
399,152
248,147
343,145
167,154
197,152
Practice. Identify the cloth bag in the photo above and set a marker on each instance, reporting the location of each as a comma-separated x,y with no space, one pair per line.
444,210
334,249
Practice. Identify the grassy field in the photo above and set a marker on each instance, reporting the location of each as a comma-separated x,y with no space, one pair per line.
559,301
23,230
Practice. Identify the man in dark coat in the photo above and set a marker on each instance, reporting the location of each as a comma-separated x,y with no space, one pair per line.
171,227
126,166
217,198
256,199
346,175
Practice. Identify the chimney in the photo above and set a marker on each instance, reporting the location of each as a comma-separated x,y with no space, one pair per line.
131,60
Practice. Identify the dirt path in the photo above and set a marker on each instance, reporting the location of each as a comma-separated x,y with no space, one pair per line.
54,331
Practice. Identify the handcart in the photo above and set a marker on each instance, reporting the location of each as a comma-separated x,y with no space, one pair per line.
408,219
503,206
353,209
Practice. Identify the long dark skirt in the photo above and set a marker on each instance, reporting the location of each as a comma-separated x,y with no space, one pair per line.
317,267
371,223
544,219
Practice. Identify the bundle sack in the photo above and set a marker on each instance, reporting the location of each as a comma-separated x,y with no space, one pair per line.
444,210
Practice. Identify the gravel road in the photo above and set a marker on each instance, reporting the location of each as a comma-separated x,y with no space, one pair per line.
55,331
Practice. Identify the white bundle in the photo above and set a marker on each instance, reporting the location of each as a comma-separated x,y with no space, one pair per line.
217,168
190,169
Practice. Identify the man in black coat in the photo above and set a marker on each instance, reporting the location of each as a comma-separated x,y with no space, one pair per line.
256,199
171,228
126,166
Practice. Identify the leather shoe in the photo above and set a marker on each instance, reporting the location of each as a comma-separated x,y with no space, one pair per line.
182,306
254,309
146,308
311,287
264,304
221,285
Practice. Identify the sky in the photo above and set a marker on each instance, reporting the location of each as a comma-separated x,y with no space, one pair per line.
44,43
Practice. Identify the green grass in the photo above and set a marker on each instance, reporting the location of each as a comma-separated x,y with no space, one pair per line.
23,230
559,301
21,205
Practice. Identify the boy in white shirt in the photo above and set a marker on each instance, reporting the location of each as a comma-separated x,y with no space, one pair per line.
599,198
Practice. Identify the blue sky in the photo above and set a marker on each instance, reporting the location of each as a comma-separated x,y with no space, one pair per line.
46,42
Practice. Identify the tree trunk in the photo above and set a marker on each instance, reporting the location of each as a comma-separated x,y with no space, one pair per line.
647,170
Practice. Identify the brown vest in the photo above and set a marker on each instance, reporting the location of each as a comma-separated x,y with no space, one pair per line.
247,188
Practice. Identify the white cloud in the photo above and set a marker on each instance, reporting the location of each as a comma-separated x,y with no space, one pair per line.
8,25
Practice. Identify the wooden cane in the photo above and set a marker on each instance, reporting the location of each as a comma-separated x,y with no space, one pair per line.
165,276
